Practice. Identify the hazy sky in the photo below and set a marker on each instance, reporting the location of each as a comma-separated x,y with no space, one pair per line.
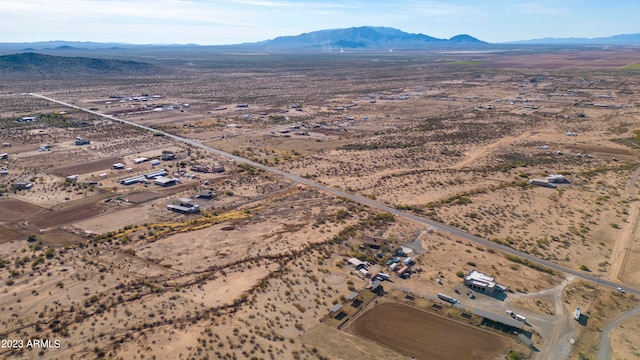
219,22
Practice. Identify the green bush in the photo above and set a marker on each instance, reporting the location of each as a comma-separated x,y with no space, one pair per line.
584,268
514,355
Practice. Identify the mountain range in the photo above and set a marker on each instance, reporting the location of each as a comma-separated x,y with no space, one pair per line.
622,39
100,59
365,37
355,38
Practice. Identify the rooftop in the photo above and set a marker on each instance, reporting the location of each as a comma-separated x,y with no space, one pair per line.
479,279
499,318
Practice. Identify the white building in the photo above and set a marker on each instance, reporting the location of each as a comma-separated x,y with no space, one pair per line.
140,160
355,263
480,282
555,178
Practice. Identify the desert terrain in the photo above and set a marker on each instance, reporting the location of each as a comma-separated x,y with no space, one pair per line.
536,153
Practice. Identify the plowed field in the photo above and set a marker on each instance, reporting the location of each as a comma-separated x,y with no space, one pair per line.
426,336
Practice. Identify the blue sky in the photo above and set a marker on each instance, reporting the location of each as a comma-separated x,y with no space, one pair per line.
217,22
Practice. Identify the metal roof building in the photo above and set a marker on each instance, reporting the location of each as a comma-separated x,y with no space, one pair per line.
133,180
154,174
355,262
499,319
164,181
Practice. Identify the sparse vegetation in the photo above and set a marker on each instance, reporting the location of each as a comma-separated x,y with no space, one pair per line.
256,271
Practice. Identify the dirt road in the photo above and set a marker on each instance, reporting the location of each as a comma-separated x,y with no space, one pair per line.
558,328
624,242
486,150
604,353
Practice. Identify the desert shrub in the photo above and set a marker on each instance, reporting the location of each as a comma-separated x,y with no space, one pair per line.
514,355
584,268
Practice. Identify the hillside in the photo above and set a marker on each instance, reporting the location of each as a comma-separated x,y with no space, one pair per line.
33,64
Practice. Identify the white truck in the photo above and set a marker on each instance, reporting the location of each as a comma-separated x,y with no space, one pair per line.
521,318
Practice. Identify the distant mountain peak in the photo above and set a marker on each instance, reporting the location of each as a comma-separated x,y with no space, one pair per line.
464,38
366,37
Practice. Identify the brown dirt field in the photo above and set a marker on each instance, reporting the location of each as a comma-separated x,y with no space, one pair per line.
594,149
73,211
84,168
338,344
59,238
415,332
14,209
7,234
141,197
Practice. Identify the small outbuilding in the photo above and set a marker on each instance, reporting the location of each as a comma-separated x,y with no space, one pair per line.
140,160
374,286
205,194
335,308
352,295
356,263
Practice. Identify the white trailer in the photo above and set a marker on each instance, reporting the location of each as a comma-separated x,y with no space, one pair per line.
384,276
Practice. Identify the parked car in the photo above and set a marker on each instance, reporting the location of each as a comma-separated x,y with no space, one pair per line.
511,313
